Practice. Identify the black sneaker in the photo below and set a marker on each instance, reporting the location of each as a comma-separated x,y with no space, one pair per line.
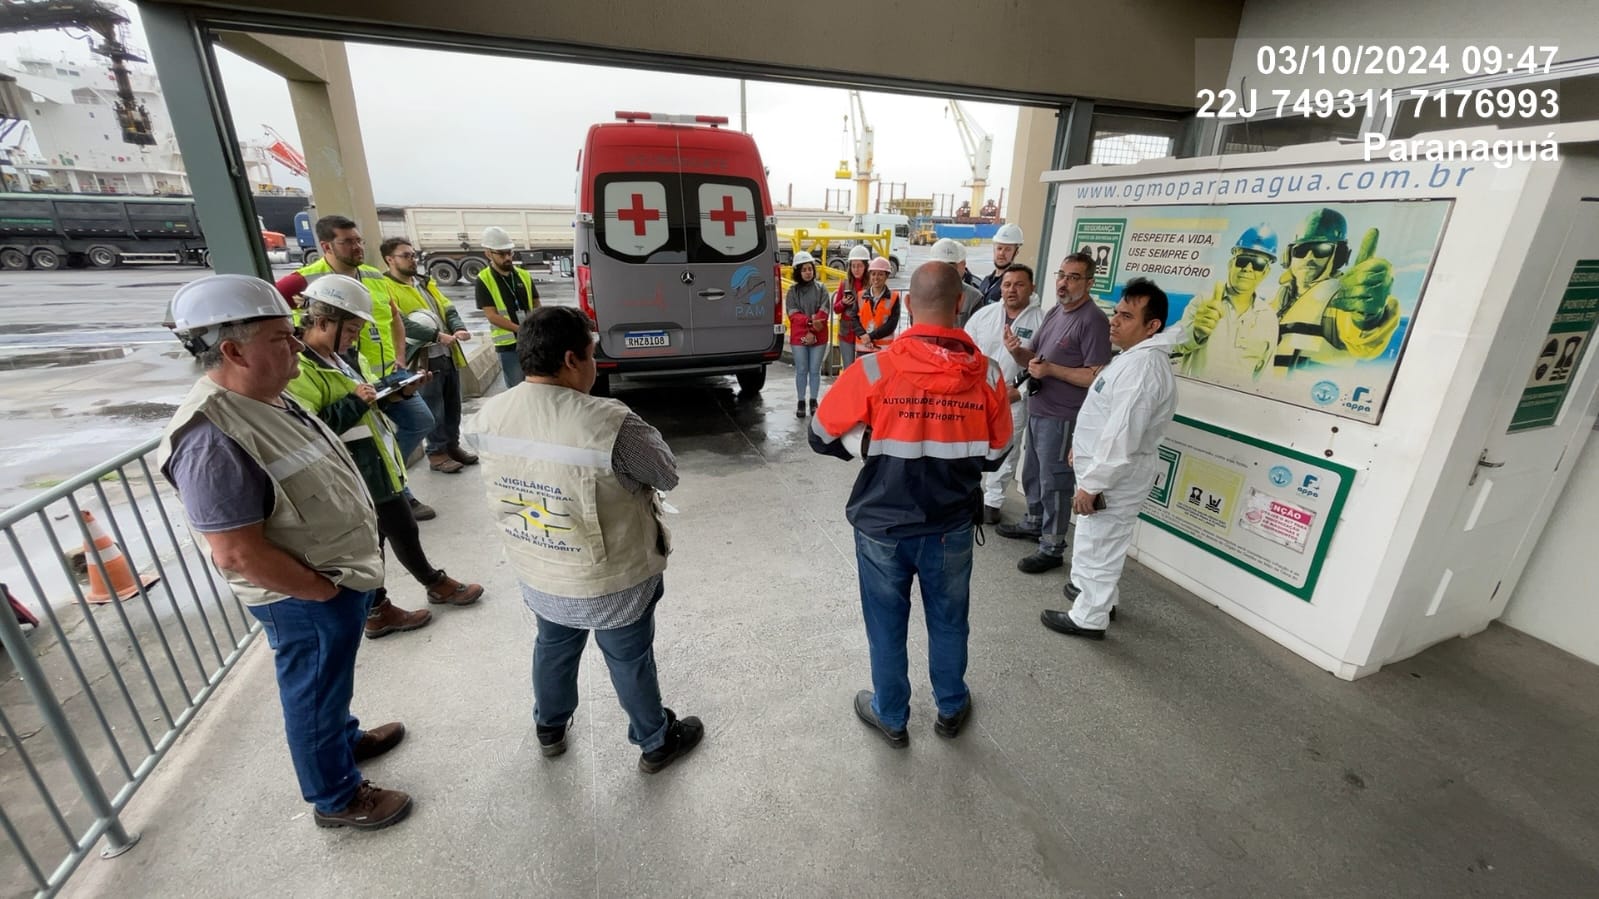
1018,532
899,739
681,738
1040,562
552,740
949,726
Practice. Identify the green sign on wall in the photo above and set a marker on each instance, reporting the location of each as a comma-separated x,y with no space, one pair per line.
1101,239
1561,350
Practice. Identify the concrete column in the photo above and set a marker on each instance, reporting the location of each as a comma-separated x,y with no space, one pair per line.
330,135
1026,197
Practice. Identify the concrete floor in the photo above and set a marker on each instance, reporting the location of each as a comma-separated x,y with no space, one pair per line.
1185,755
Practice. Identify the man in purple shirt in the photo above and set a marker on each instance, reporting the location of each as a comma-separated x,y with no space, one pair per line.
1069,349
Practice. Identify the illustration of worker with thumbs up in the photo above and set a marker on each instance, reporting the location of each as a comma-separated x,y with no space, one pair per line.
1230,332
1328,315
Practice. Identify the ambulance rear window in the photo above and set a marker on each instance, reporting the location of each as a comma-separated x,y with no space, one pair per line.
728,213
641,217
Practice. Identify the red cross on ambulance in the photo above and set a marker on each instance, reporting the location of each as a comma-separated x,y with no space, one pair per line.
636,216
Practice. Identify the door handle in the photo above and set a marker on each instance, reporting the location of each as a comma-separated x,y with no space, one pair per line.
713,293
1482,462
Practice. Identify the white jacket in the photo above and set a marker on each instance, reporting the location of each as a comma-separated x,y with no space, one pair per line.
1124,417
987,328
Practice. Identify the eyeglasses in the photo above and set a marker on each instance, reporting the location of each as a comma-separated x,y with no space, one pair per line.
407,256
1254,262
1069,276
1320,250
349,242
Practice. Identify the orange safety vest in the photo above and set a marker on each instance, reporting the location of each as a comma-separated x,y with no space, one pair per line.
874,314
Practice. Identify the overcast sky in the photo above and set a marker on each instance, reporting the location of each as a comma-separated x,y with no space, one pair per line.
455,128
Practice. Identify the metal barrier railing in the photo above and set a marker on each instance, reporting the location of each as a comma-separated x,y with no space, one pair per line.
114,674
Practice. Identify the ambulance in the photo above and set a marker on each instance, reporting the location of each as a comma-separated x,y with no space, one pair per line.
676,250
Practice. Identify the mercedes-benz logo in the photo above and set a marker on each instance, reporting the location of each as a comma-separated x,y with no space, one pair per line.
686,277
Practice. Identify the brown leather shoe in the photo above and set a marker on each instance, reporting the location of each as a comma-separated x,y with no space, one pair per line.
443,462
448,589
386,618
371,809
460,454
379,740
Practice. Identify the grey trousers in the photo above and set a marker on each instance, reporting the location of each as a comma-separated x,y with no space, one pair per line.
1048,481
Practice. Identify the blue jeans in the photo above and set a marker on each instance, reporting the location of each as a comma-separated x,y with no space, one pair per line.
808,368
630,657
1048,481
412,422
313,646
443,397
510,367
943,564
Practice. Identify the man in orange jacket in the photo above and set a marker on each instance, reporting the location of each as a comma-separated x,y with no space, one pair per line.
929,414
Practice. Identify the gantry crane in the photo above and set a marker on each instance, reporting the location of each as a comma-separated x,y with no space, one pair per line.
979,146
105,20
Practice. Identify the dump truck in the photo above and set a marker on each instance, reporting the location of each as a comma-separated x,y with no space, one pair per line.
50,231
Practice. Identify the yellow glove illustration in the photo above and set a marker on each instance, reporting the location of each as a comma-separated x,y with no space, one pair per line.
1363,288
1208,315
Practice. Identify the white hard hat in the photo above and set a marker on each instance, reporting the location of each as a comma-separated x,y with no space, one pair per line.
948,249
860,252
1008,233
426,319
342,292
222,299
802,258
496,238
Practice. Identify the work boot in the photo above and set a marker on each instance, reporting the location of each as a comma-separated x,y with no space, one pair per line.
813,407
386,618
681,738
443,462
371,809
460,454
1039,562
379,740
899,739
949,726
1062,623
449,590
552,740
990,515
1019,531
421,511
799,410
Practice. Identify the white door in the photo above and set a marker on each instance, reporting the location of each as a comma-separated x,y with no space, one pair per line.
1506,501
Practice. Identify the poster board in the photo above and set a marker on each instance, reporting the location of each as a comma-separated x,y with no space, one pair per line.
1304,303
1267,509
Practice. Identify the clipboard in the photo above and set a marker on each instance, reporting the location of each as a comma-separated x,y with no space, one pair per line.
386,387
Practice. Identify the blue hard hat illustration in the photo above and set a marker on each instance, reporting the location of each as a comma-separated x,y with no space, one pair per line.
1259,239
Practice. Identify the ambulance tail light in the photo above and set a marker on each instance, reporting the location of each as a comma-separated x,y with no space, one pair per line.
585,293
777,307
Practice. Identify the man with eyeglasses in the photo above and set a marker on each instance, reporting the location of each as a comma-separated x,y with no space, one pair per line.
1327,315
506,295
1228,335
382,343
434,332
1070,346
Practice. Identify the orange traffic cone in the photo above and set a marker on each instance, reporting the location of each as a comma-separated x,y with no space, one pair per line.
125,581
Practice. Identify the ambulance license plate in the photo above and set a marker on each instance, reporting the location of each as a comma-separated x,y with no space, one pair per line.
640,340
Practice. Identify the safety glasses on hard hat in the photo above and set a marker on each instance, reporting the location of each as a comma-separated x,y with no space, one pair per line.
1321,250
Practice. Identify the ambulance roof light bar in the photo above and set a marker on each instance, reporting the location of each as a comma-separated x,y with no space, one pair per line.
666,118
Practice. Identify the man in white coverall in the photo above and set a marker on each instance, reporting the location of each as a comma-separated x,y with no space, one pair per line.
1003,331
1113,454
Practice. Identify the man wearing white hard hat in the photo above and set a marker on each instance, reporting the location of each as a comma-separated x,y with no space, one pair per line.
335,385
434,332
289,522
949,250
1007,240
506,295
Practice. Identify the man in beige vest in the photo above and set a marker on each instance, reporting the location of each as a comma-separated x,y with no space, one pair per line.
287,517
572,483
